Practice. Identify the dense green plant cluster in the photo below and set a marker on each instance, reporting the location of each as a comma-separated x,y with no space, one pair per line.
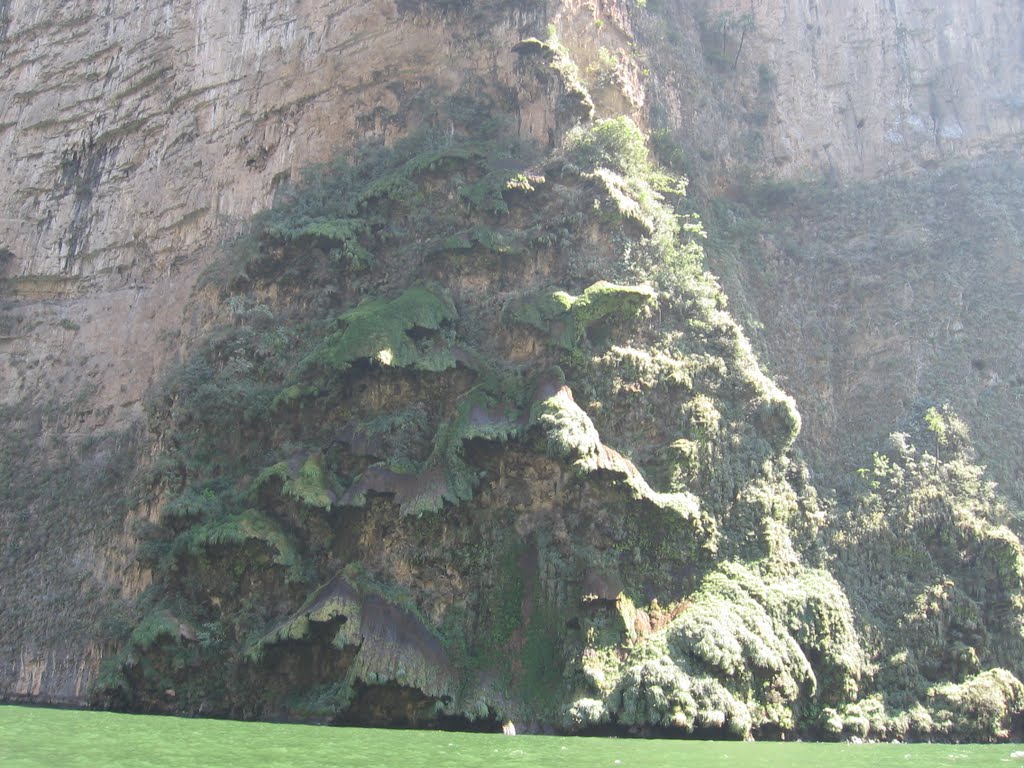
477,436
378,330
737,656
936,576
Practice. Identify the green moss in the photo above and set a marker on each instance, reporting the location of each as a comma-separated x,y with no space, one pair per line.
576,99
571,435
731,633
628,369
237,529
634,200
378,330
747,649
540,682
865,719
982,708
658,692
927,560
336,599
705,506
565,318
603,300
312,484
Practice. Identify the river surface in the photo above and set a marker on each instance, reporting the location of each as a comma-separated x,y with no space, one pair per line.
33,737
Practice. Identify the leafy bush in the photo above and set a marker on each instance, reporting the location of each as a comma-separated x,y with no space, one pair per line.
613,143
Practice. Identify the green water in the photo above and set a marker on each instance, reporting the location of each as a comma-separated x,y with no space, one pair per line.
31,737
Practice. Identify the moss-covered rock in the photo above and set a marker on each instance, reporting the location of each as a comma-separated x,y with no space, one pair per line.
981,708
566,318
379,330
536,468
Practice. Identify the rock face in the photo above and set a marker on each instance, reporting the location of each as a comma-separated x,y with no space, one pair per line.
134,139
847,89
132,135
133,142
877,300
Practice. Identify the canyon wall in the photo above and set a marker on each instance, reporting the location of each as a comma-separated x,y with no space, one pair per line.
134,143
846,90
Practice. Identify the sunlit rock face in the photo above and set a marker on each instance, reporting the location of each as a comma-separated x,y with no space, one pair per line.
131,133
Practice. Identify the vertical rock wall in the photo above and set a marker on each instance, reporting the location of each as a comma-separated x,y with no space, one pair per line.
131,134
846,89
133,138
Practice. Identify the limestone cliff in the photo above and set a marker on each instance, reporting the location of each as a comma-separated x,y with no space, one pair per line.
133,141
462,430
841,89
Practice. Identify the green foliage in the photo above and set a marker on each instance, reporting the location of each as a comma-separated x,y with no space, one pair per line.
542,664
339,236
603,299
399,389
748,649
570,432
158,625
658,692
604,70
628,369
338,598
741,628
777,418
489,411
566,318
193,504
502,606
571,435
936,576
379,330
616,144
982,708
237,529
951,435
311,485
613,155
